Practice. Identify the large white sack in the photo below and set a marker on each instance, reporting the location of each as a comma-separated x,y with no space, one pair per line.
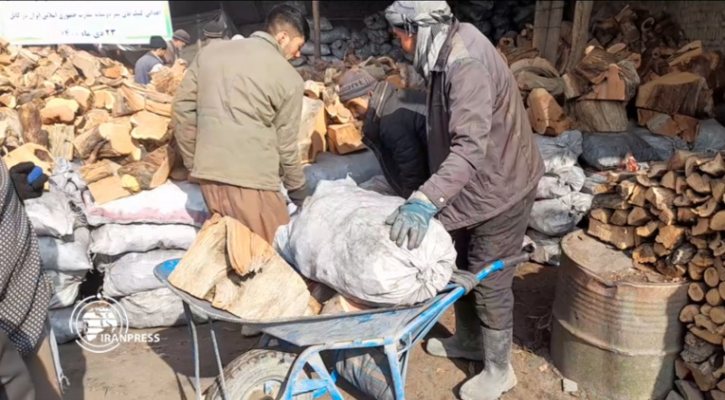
65,287
170,203
134,272
66,255
115,239
340,239
153,309
557,217
51,214
561,151
560,182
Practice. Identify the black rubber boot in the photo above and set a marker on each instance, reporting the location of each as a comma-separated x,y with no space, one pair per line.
466,341
498,375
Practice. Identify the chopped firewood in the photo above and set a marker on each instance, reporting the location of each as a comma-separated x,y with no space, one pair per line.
59,110
93,119
151,172
708,209
107,189
694,198
99,170
621,237
88,65
626,189
32,125
680,185
660,250
670,236
647,230
344,138
314,89
712,297
595,65
639,196
667,215
687,314
670,271
686,53
657,169
574,86
61,140
717,245
644,254
702,227
104,99
312,136
610,88
694,272
82,96
678,160
718,188
8,100
686,216
545,114
682,201
150,126
619,217
610,201
669,180
118,137
717,315
638,217
702,258
696,291
675,93
711,277
31,152
681,370
601,214
714,167
699,183
717,222
646,181
663,124
660,197
599,115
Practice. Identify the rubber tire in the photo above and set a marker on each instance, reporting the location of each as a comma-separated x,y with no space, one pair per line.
248,372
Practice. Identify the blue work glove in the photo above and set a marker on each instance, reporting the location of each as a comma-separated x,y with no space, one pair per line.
411,220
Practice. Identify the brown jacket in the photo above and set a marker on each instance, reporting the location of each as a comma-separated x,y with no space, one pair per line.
236,115
481,149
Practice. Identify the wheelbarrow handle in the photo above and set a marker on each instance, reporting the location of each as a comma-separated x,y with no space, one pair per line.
499,265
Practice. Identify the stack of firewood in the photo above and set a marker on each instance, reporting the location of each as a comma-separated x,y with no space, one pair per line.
63,103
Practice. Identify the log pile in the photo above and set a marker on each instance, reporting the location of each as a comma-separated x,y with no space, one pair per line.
59,102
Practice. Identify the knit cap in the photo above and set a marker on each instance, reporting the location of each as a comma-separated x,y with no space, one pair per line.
356,83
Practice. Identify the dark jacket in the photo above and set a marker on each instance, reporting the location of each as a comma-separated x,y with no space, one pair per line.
481,150
143,67
394,129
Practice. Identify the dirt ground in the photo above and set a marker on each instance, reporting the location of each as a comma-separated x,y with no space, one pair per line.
164,370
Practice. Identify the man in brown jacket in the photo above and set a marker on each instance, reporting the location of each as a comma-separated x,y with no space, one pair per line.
485,167
236,116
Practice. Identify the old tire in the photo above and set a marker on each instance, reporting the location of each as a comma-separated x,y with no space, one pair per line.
258,374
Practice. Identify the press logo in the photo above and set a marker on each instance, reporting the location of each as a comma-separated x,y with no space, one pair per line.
101,324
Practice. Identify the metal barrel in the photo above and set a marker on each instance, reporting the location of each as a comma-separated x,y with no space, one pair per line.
616,337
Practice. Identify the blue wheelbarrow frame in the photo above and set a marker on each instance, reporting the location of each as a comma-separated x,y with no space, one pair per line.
396,330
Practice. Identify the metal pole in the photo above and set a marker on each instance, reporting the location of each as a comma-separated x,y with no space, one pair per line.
316,33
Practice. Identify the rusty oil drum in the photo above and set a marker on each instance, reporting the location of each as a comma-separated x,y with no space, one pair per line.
617,339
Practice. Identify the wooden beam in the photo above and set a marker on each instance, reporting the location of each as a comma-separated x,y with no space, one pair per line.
547,28
316,33
579,32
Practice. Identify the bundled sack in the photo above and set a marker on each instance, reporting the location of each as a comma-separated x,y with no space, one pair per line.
134,272
115,239
561,151
170,203
51,214
560,182
66,255
66,286
154,309
340,239
557,217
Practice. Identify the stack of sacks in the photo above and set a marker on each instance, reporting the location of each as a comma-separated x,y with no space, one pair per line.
63,238
131,236
560,205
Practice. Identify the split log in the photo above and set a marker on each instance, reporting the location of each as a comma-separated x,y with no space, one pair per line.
647,230
620,237
714,167
545,114
646,181
611,86
32,125
676,93
599,115
717,315
711,277
574,85
314,89
696,291
638,217
699,183
8,100
717,222
702,227
59,110
312,136
151,172
150,127
118,140
644,254
601,214
667,215
679,159
681,372
626,189
687,314
619,218
99,170
704,259
60,139
669,180
31,152
595,63
344,138
639,196
670,236
661,198
104,99
708,209
82,96
657,169
663,124
694,272
686,216
88,65
611,201
682,255
685,54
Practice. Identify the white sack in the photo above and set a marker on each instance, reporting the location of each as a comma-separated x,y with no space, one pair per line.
547,249
340,239
62,255
557,217
170,203
134,272
65,287
560,182
153,309
51,214
115,239
561,151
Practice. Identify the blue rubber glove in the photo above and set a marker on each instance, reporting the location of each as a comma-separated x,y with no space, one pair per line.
411,220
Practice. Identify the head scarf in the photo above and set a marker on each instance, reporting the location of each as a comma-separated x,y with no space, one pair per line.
432,19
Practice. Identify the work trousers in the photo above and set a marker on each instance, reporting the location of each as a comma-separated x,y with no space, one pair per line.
262,211
29,378
494,239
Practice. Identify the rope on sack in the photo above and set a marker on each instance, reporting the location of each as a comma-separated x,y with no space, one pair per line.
464,278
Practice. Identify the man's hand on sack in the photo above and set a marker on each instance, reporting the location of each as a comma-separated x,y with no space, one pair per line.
298,196
27,190
411,220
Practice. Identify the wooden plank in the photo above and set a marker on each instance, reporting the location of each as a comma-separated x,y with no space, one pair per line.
547,28
579,32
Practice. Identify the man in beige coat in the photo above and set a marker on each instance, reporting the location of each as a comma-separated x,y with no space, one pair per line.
236,115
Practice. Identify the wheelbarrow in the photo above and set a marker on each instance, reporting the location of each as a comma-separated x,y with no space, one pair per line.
288,363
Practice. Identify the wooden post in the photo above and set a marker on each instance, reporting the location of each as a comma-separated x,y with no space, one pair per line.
316,33
579,32
547,28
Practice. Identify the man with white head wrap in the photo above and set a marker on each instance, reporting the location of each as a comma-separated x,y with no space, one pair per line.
484,167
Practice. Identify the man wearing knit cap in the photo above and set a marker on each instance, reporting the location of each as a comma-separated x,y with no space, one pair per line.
393,127
485,167
180,40
212,31
236,118
151,61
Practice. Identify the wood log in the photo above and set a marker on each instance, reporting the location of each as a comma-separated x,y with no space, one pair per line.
663,124
601,214
717,395
678,160
699,183
694,198
670,271
696,350
718,189
711,277
717,245
599,115
681,371
701,228
88,65
574,85
59,110
151,172
8,100
99,170
667,215
594,65
620,237
61,141
657,170
696,291
314,89
647,230
686,53
104,99
714,167
150,127
687,314
312,136
704,259
660,250
695,272
610,201
646,181
661,198
705,309
638,217
686,216
545,114
721,289
644,254
611,86
626,189
717,222
107,189
619,218
32,126
708,209
721,385
702,321
669,180
535,73
639,196
670,236
82,96
717,315
703,374
31,152
344,138
675,93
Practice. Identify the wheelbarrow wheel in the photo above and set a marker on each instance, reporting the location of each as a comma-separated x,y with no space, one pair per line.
258,374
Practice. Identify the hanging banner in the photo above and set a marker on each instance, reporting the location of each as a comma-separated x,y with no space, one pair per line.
83,22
